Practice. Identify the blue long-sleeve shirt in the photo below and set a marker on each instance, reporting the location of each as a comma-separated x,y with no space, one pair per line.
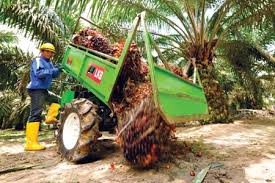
42,72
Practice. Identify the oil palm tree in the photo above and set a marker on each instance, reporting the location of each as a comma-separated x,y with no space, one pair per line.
13,62
249,62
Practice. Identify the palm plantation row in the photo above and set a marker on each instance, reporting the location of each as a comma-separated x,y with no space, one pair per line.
227,39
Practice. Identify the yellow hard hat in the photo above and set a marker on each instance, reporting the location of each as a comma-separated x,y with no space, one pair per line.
48,47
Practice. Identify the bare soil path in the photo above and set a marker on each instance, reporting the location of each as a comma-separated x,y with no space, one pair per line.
244,151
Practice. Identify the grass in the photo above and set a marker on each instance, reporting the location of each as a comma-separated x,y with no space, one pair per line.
11,135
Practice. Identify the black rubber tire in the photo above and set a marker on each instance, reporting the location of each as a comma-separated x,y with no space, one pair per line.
86,145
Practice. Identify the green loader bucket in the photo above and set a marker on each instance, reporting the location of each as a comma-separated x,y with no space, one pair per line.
177,100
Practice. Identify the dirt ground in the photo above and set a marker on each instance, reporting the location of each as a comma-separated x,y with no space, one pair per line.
243,151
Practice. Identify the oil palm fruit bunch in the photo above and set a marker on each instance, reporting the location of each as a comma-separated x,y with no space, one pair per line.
146,137
133,93
92,39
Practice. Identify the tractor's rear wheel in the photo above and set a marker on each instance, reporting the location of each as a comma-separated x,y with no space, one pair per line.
78,132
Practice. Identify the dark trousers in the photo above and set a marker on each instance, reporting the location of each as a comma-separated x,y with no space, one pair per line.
38,98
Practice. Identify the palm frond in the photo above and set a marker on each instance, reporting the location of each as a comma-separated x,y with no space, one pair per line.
39,23
12,109
6,98
13,61
7,37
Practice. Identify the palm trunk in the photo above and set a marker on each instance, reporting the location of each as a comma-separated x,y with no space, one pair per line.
216,98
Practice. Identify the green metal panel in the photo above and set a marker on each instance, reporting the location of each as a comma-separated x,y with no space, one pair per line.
179,100
72,61
83,71
67,97
103,89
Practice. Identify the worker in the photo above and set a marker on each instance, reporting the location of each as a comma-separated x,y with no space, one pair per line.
41,74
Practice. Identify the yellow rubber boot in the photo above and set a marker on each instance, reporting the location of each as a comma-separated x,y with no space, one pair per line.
52,114
32,137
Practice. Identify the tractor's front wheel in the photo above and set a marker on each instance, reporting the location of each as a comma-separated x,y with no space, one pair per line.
78,132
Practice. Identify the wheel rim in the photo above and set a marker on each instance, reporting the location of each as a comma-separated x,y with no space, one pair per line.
71,130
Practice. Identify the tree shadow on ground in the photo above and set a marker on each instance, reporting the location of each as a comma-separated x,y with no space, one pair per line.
107,147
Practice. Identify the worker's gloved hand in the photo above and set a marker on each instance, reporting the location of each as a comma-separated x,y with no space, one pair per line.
55,71
59,67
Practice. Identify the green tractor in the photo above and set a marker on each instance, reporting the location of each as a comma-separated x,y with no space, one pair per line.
87,112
